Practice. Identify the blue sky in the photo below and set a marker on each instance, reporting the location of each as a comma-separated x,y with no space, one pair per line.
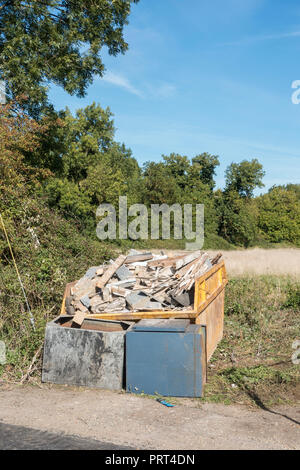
206,76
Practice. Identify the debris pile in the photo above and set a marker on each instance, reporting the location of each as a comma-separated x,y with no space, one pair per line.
139,282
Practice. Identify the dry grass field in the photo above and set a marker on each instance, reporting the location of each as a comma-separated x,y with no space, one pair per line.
258,261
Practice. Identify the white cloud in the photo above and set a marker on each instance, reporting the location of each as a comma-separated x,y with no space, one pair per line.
259,38
122,82
165,91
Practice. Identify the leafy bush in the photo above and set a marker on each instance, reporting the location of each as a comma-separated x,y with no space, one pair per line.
279,215
293,297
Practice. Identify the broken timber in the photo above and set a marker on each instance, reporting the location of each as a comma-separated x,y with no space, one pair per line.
110,271
132,287
215,279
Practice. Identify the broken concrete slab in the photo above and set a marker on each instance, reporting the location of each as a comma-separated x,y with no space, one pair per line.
78,318
137,300
152,305
92,272
84,286
85,300
123,273
182,299
116,305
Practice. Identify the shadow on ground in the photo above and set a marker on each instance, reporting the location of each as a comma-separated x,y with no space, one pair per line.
22,438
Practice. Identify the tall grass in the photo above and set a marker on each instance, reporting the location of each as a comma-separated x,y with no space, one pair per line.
253,361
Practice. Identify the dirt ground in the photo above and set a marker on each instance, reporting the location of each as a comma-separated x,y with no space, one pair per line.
279,261
143,423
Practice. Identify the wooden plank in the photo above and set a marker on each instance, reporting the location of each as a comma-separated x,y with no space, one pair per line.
182,271
187,259
138,258
110,271
164,262
120,291
135,316
212,270
79,318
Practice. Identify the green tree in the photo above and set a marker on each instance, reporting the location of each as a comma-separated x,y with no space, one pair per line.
289,187
58,41
18,134
237,218
279,215
176,180
178,166
73,143
120,159
159,185
93,167
86,137
206,164
244,177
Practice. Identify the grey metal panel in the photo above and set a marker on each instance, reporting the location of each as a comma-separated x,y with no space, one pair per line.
83,357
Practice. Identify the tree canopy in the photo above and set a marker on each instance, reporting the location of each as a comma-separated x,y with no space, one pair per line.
244,177
58,41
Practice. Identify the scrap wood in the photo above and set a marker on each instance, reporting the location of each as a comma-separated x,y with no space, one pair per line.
159,284
165,261
139,257
78,318
110,271
187,259
188,278
216,258
120,291
186,269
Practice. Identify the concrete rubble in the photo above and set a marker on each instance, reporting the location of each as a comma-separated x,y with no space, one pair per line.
139,282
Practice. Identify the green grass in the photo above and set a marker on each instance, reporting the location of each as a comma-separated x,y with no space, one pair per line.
211,242
252,363
64,255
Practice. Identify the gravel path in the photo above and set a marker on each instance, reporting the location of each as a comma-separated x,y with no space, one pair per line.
126,420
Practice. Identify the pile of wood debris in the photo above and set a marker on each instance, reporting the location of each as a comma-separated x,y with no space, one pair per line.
139,282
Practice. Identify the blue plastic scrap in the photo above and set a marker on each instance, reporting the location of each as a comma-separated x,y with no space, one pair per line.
164,402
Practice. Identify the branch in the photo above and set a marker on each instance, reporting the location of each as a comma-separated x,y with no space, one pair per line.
29,370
